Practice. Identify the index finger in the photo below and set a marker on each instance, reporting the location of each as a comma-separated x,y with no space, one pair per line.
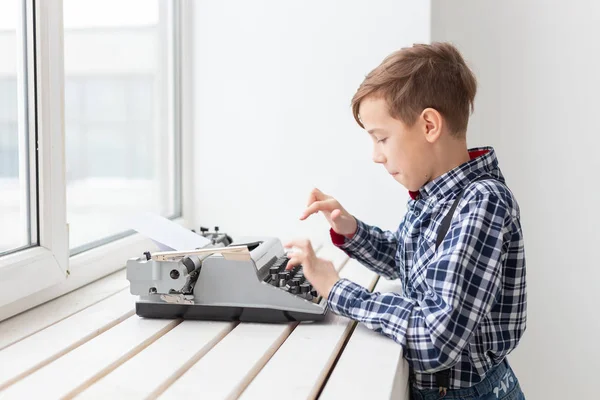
315,195
296,258
323,205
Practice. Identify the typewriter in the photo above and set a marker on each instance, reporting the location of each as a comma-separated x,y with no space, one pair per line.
226,280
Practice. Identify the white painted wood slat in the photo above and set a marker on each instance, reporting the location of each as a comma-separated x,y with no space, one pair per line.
158,365
372,365
310,351
49,344
221,371
40,317
73,372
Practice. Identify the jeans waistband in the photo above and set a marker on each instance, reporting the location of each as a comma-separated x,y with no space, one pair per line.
479,389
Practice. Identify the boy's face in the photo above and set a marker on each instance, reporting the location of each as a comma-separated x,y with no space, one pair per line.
403,151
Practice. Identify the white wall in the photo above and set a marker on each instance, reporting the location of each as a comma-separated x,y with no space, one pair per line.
273,85
538,66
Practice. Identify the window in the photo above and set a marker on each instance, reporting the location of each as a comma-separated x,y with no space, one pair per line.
90,132
15,207
121,144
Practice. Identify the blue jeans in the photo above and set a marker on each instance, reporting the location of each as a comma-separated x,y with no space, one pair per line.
500,383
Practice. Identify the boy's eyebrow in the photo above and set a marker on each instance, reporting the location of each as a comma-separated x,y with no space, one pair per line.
375,130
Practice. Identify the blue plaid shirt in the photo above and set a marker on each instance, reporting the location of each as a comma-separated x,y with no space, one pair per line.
463,306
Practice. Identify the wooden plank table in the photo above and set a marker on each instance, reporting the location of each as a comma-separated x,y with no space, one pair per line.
89,344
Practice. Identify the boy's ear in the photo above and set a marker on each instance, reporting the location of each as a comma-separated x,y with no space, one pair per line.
432,124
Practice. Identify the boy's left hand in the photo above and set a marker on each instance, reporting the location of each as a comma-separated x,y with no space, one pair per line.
319,272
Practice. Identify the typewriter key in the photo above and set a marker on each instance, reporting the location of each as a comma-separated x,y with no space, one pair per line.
305,291
283,277
274,272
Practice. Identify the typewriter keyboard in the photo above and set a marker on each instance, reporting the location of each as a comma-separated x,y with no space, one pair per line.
292,281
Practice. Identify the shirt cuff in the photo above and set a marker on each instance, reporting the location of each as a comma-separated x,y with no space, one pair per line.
353,243
342,296
336,238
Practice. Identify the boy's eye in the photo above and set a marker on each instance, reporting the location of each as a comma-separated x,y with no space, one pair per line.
382,140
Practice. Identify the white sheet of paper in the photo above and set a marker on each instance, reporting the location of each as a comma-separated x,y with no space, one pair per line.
165,233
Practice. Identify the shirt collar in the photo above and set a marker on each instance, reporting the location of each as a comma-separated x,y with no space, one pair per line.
483,162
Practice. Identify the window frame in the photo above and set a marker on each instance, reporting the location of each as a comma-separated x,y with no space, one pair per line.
37,274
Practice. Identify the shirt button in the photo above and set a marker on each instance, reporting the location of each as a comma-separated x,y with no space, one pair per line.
417,213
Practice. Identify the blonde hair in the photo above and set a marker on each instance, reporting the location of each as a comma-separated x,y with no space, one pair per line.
419,77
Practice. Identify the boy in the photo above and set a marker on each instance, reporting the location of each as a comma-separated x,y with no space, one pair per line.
459,249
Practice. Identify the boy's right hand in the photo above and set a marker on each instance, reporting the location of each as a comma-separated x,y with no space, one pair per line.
340,220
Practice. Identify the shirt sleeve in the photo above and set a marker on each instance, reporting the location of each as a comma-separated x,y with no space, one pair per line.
462,282
371,246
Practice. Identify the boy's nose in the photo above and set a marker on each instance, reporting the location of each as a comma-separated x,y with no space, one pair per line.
378,157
